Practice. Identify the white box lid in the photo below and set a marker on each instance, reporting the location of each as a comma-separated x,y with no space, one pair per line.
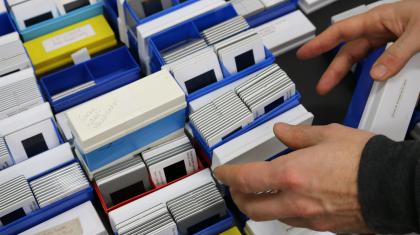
120,112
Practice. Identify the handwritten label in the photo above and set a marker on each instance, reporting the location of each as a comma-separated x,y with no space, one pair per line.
72,227
95,117
68,38
278,26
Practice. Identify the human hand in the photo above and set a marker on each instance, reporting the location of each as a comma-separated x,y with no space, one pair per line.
315,186
399,22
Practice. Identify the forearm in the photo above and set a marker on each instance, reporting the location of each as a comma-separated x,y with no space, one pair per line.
389,185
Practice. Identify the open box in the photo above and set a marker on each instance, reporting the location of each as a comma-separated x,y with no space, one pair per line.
202,164
210,227
50,211
62,21
133,19
272,13
282,108
192,30
6,23
173,190
109,71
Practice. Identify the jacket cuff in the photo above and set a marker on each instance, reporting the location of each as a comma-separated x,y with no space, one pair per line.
388,185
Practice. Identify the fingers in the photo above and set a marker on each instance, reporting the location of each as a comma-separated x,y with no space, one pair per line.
396,56
346,30
350,54
239,177
259,207
295,223
275,206
300,136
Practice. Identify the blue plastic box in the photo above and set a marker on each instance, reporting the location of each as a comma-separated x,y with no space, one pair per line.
287,105
362,90
414,120
191,30
219,227
184,31
48,212
272,13
6,23
54,24
111,14
133,20
110,71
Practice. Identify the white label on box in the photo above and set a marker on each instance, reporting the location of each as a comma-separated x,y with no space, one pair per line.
72,227
281,26
68,38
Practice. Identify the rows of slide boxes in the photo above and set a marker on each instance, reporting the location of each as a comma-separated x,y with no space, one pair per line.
57,154
87,69
138,42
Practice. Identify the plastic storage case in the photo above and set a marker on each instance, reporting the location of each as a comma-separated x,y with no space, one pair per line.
211,227
202,164
362,90
111,14
110,71
220,226
54,24
50,211
6,23
133,20
415,119
287,105
272,13
190,30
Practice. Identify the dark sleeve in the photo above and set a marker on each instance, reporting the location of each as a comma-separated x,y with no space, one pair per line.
389,185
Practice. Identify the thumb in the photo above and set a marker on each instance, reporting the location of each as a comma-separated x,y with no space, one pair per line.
395,57
300,136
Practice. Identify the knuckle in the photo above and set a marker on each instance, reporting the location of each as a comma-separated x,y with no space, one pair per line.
331,129
306,211
292,179
392,55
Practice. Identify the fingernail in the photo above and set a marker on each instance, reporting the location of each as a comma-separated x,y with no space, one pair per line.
379,71
284,126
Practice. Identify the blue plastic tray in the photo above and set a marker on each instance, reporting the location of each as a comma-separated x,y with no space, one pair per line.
133,20
191,30
287,105
6,23
184,31
111,14
414,120
362,90
272,13
48,212
219,227
110,71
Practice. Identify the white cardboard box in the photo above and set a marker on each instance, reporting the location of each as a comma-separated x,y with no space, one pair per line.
287,32
391,104
82,219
